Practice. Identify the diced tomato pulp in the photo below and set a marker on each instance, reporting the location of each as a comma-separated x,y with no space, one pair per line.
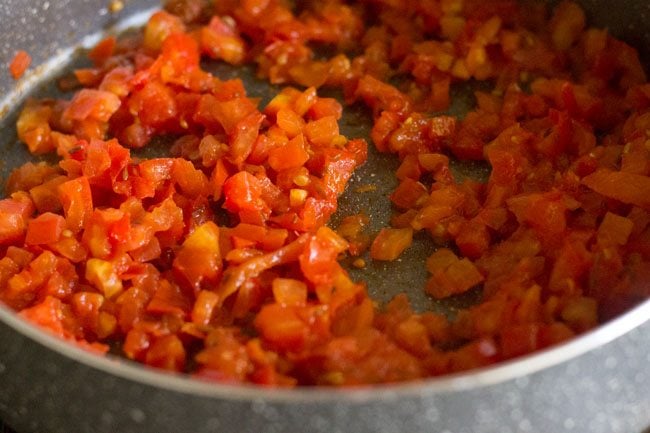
217,259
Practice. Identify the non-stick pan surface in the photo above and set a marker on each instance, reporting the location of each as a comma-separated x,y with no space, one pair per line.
596,383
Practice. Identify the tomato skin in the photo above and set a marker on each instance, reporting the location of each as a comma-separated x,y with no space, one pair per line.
359,148
337,166
268,239
480,353
319,257
506,166
29,176
412,137
118,81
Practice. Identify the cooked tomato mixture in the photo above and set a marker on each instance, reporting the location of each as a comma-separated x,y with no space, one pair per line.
218,260
19,64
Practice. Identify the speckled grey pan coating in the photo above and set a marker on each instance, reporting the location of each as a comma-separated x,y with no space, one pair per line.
598,383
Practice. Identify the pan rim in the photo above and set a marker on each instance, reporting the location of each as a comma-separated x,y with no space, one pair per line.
469,380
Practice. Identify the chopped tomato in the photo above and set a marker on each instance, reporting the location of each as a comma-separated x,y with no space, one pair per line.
390,243
76,198
626,187
19,64
451,275
217,260
199,258
45,229
14,214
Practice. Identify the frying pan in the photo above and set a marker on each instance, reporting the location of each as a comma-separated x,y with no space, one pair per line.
598,382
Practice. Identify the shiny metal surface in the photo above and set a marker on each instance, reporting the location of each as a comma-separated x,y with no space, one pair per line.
596,383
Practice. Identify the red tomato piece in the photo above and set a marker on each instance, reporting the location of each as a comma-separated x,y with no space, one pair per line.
219,41
19,64
14,213
93,104
282,327
199,258
45,229
626,187
243,191
391,243
167,353
103,50
160,26
318,260
291,155
76,198
34,129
